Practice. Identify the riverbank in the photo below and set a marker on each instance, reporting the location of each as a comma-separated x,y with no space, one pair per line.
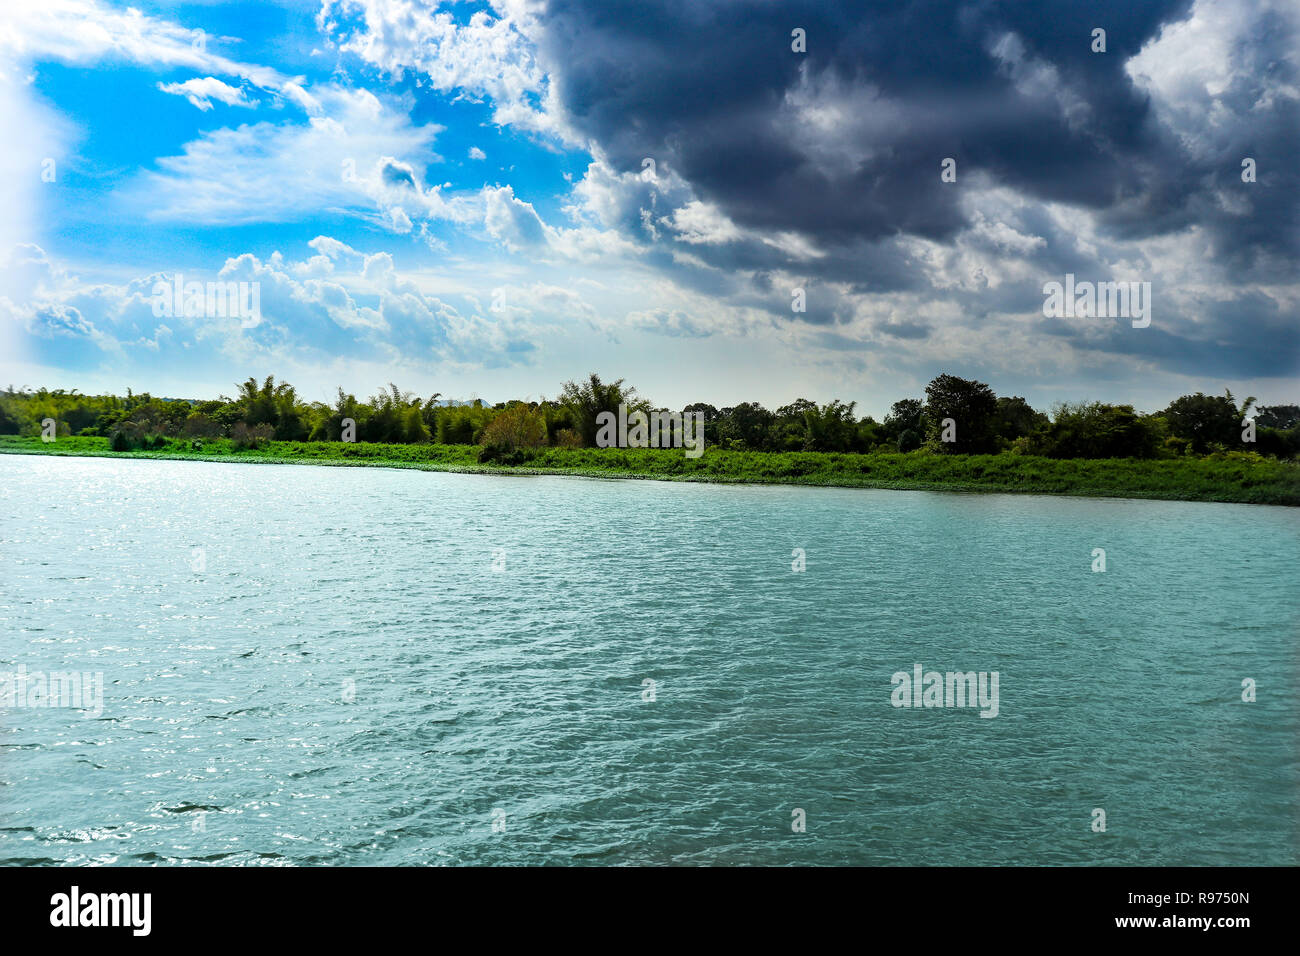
1235,478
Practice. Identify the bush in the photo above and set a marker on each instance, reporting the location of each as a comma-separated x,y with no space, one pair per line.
119,442
567,438
502,454
244,437
516,426
199,425
1280,444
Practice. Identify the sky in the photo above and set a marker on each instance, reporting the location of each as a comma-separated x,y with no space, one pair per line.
488,199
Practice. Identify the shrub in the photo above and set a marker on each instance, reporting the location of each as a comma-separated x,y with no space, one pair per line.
502,454
567,438
244,437
516,426
199,425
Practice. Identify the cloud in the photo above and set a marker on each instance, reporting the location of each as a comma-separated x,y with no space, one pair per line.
358,154
769,170
490,56
512,221
339,302
87,31
672,322
776,169
699,223
201,92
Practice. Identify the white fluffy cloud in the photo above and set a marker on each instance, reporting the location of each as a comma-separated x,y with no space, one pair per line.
86,31
702,223
491,57
339,300
201,91
269,172
1197,66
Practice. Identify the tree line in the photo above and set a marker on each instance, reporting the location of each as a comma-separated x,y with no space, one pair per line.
955,416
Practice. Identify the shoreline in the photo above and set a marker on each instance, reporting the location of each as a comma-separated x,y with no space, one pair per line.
803,469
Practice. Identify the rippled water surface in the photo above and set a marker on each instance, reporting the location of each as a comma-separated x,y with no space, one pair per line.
323,666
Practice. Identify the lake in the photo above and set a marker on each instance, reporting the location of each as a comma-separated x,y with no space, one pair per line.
323,665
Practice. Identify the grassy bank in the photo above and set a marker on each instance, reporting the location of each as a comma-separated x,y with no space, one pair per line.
1230,478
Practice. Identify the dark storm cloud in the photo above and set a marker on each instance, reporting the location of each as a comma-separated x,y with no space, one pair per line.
1247,334
1009,89
905,330
703,86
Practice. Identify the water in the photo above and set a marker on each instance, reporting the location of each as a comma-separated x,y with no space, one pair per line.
347,680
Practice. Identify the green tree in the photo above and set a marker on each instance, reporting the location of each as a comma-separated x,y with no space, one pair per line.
1284,417
587,400
463,424
906,417
1017,419
745,426
271,404
971,405
1205,420
429,413
789,428
329,426
831,427
518,425
1097,430
710,420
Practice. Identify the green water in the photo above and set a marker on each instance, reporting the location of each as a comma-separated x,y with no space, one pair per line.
363,666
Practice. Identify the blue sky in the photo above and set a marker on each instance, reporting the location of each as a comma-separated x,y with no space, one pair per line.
454,196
